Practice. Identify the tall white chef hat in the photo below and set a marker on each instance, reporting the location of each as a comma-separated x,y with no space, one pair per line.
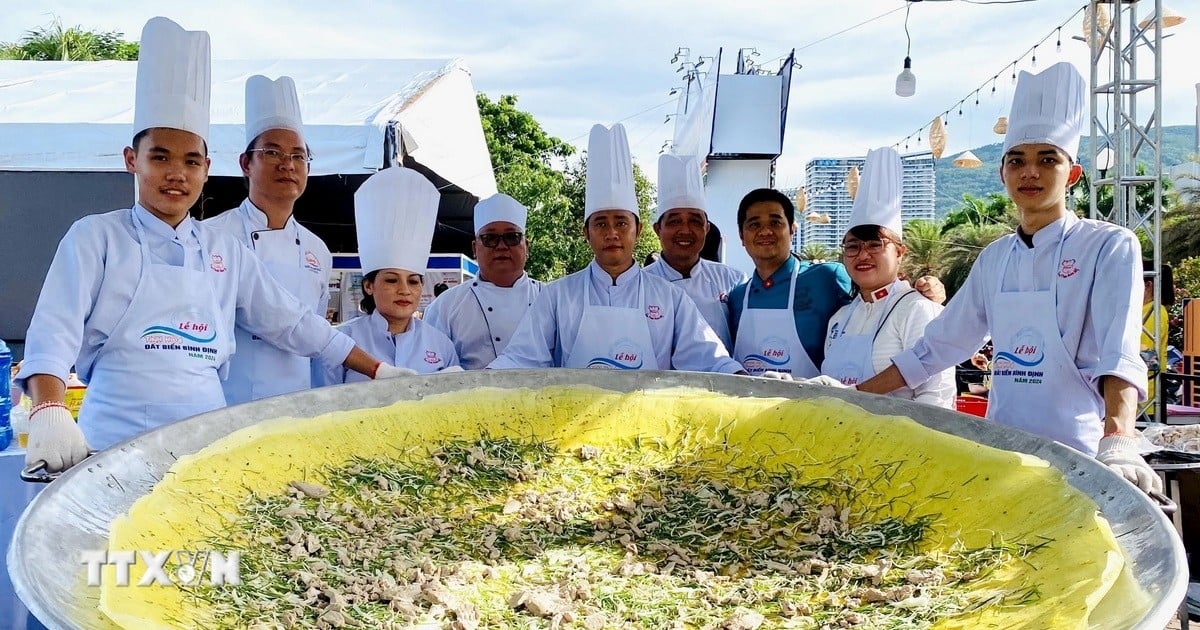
609,172
174,79
679,184
1047,109
395,212
879,192
499,207
271,105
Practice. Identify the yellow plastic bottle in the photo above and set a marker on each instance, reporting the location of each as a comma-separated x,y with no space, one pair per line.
75,392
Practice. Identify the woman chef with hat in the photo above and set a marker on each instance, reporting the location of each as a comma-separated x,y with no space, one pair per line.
1060,298
143,301
395,212
887,315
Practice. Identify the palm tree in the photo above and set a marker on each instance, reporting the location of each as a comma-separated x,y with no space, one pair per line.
966,241
816,252
927,248
56,43
1181,222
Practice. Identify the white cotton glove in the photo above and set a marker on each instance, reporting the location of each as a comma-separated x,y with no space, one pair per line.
387,370
827,381
452,368
1120,452
55,438
783,376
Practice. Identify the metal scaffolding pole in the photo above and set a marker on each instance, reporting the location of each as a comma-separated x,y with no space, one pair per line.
1126,107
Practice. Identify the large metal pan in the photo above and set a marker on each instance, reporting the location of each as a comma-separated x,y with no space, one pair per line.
74,513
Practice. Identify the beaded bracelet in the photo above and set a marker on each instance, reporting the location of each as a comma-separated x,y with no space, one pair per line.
46,405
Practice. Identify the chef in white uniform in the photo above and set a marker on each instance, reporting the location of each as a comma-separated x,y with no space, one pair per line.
611,314
395,213
143,301
681,223
481,316
275,164
887,315
1061,298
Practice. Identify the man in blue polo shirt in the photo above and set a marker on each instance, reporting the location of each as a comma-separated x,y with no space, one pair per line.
779,318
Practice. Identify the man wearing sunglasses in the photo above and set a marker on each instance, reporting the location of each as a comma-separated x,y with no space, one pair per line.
480,316
275,165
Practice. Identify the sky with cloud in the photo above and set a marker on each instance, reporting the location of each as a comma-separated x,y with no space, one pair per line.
574,64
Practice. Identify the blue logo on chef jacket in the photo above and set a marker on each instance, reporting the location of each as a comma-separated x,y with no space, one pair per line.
310,262
626,355
1024,351
774,356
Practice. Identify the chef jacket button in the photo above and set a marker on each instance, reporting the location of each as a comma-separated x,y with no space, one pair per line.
474,284
489,309
497,339
254,236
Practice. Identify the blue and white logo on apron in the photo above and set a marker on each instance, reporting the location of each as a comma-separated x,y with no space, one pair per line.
1026,350
773,355
625,355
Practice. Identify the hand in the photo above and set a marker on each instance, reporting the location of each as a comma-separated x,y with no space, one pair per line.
783,376
452,368
827,381
1120,452
931,288
55,438
385,370
980,361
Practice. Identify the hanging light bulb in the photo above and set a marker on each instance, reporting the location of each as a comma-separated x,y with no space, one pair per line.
906,81
1058,41
966,159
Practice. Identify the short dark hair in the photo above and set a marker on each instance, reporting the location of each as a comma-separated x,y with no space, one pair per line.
367,303
759,195
137,139
1166,281
874,233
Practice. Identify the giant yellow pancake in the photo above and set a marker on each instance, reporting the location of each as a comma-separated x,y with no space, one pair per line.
976,493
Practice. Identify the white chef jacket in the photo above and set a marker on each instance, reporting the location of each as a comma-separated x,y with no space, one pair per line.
708,283
96,269
313,257
1098,306
422,348
681,338
903,327
480,317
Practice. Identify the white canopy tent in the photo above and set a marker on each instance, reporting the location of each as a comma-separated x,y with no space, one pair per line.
63,126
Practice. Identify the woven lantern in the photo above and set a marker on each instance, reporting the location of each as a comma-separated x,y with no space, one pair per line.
966,159
818,217
1102,23
1171,18
801,199
1001,126
937,138
852,182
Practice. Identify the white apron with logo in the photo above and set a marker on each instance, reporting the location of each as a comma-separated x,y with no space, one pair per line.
613,337
160,362
1035,384
848,358
767,338
259,369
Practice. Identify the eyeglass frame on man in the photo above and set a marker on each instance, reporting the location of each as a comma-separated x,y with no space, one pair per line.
511,239
867,246
275,156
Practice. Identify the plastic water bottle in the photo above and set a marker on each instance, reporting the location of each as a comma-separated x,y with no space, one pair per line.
5,395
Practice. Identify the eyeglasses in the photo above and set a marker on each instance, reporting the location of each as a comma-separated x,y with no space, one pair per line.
275,156
854,248
512,239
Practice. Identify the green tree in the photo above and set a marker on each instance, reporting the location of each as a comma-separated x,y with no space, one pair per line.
966,241
927,249
817,252
1181,222
53,42
993,209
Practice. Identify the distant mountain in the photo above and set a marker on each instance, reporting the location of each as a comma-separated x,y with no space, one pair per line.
1179,142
